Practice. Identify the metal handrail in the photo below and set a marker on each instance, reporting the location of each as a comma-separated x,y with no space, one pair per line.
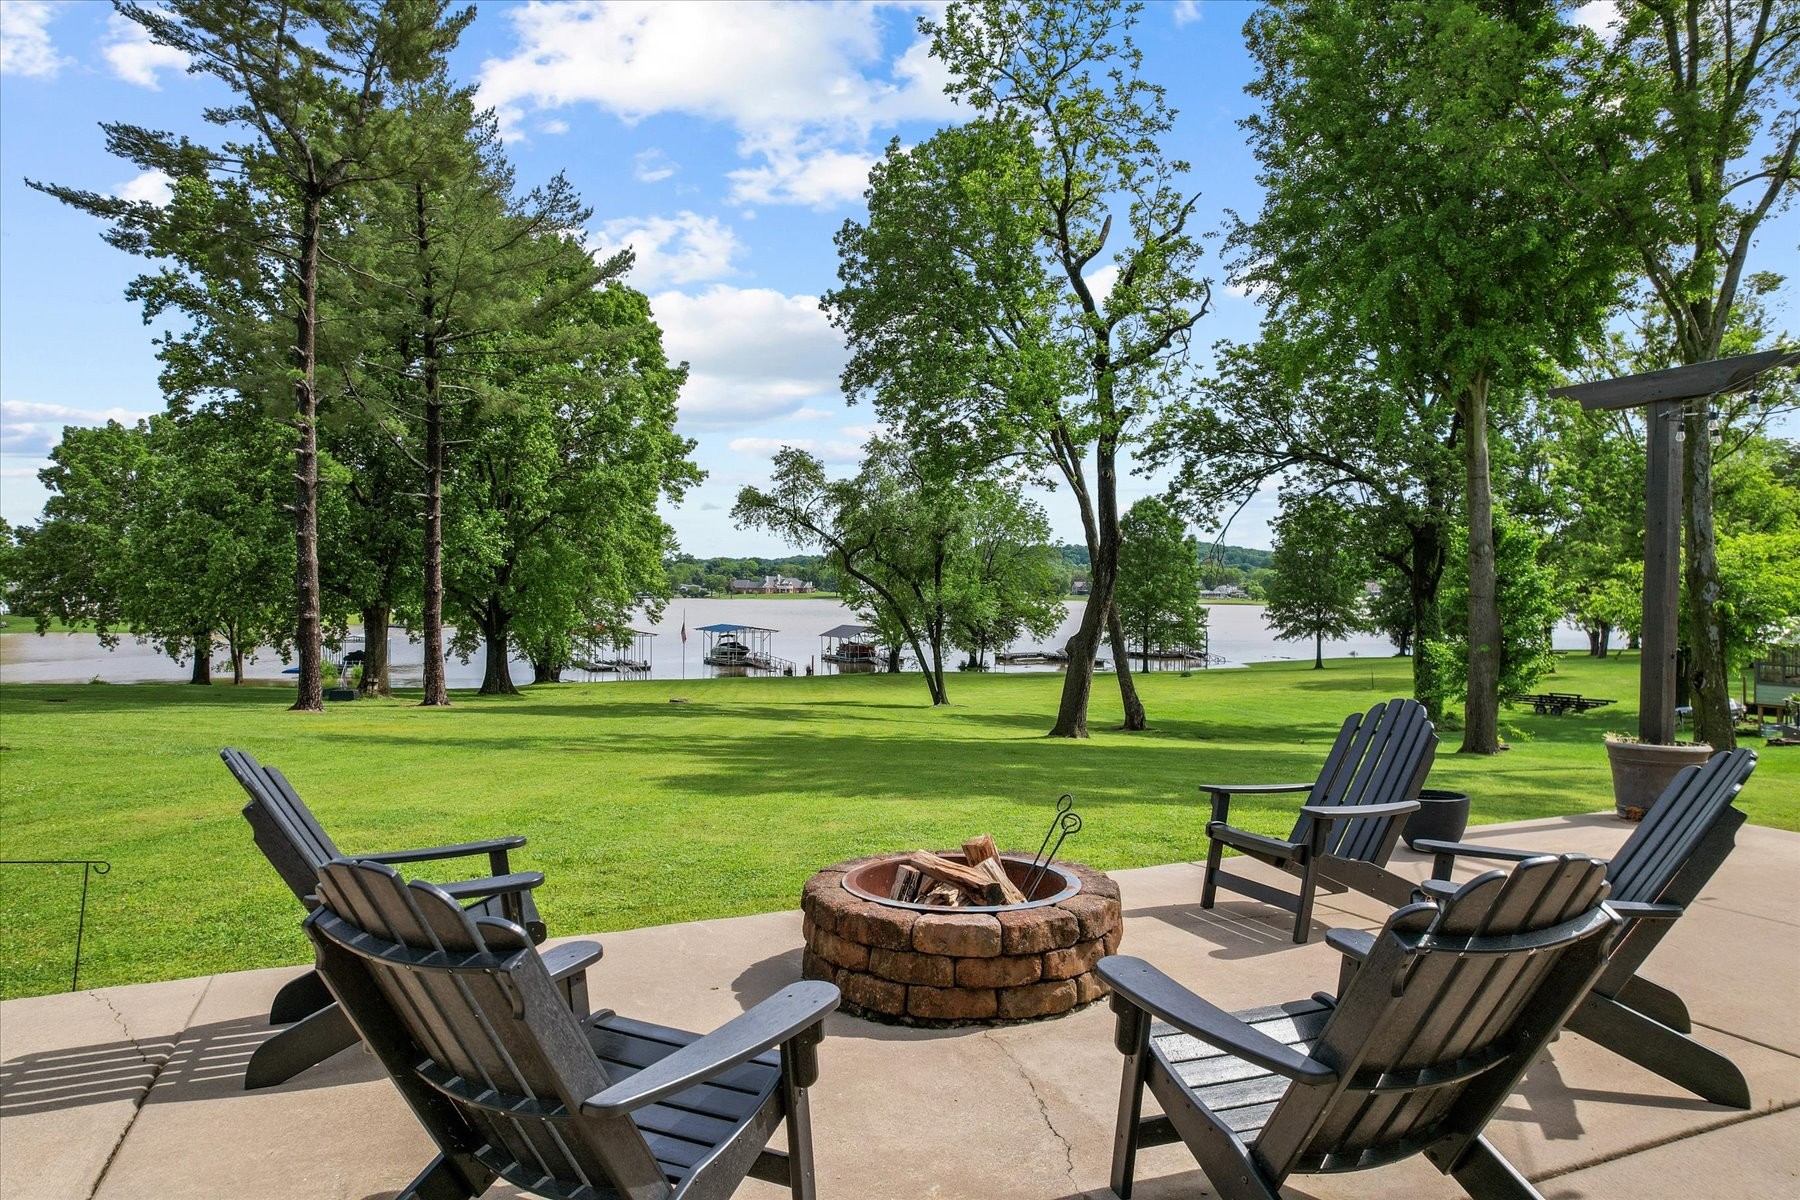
89,867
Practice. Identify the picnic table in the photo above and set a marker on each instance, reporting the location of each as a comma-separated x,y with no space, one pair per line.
1558,703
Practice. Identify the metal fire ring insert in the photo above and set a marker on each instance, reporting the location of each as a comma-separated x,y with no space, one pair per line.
871,881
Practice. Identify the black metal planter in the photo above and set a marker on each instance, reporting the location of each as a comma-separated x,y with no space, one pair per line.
1442,817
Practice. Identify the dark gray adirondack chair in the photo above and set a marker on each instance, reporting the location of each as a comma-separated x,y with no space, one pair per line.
510,1084
1452,1001
1657,873
1349,824
295,844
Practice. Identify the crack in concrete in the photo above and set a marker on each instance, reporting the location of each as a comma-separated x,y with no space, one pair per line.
1043,1108
1668,1140
156,1070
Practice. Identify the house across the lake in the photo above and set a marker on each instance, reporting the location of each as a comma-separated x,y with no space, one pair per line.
770,585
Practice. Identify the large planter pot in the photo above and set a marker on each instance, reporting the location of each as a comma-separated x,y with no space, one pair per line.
1641,771
1442,817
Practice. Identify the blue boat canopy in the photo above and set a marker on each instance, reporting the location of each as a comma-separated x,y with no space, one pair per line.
734,629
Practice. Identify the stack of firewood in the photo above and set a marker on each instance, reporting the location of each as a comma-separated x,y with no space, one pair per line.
980,879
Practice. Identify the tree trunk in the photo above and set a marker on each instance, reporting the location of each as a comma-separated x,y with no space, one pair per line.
308,634
237,664
1422,584
375,680
1078,681
1318,651
1605,640
496,679
1481,722
545,669
437,692
1707,673
1134,708
1101,524
1593,637
202,670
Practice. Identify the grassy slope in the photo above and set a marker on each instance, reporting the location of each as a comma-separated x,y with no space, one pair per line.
643,812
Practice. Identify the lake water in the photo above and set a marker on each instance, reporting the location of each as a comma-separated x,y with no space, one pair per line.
1237,634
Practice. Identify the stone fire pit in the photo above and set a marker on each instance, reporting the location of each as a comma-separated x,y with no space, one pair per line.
951,966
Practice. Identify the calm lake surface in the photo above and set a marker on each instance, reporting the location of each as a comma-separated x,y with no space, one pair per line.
1237,634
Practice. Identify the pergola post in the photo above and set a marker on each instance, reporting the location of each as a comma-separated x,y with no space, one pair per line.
1660,635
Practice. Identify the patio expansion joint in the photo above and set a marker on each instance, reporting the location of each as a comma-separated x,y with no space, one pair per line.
157,1065
1036,1098
1671,1139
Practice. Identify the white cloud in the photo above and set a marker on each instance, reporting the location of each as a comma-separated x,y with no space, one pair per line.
863,433
134,57
798,81
154,186
685,248
25,46
1596,15
811,414
1186,12
32,429
753,353
1101,282
805,172
553,127
653,166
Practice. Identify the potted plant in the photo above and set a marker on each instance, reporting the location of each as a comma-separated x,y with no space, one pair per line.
1641,770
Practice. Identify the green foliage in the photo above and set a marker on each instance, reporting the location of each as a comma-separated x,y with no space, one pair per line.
1759,599
171,530
1317,591
1529,609
1159,581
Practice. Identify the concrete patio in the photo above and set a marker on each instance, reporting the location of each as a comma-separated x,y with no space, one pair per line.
136,1092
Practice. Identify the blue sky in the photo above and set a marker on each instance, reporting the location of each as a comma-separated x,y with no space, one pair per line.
725,143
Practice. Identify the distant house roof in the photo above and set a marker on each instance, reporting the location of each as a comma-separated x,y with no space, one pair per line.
746,583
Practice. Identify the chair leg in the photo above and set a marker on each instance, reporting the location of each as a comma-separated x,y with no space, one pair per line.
1133,1038
1655,1047
1209,888
298,999
799,1071
1656,1002
299,1046
1303,910
441,1181
1485,1175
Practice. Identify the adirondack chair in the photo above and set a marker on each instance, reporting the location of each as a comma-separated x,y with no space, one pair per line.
296,845
463,1014
1451,1002
1657,873
1350,821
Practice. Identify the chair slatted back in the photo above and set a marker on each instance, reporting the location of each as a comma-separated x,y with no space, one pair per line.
1380,757
284,827
1449,1009
465,1017
1661,850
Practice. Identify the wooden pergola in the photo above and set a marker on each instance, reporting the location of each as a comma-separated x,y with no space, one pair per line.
1667,394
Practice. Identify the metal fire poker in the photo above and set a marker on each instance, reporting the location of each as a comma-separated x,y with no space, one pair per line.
1068,821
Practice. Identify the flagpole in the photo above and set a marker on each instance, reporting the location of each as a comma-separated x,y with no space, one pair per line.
684,643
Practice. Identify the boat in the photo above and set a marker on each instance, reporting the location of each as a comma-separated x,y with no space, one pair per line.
729,650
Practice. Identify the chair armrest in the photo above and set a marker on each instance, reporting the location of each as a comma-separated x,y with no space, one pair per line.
1221,794
1446,854
774,1021
494,848
1359,812
1149,989
498,885
1634,910
570,957
1354,944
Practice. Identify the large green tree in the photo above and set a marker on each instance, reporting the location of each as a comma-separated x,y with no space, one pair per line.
1318,588
171,531
551,507
975,298
306,124
1695,124
1159,581
1406,192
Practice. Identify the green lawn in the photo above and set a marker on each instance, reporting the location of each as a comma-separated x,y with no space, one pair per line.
643,812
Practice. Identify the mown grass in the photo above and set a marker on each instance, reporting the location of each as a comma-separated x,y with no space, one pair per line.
643,812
